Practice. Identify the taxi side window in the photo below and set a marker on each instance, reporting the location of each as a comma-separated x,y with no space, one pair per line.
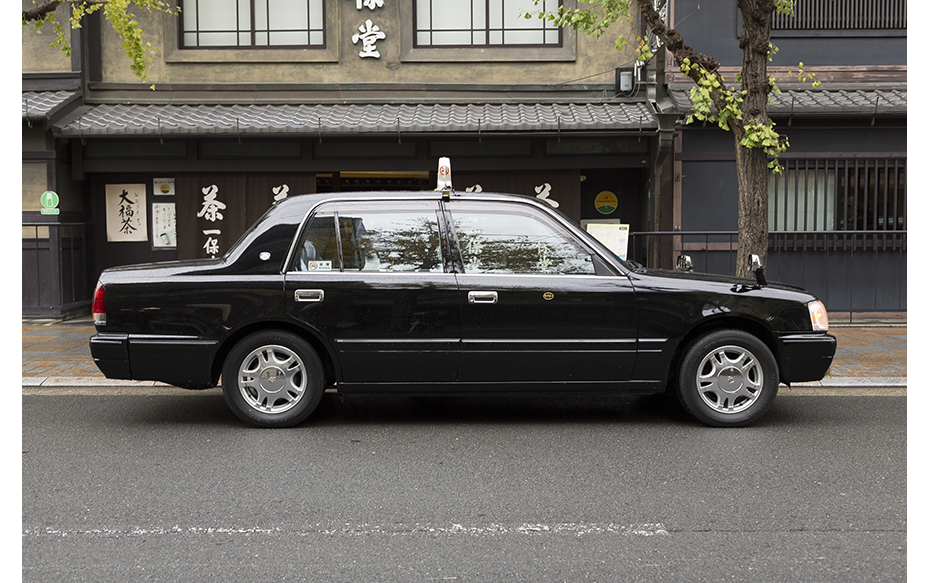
395,240
372,237
517,242
316,250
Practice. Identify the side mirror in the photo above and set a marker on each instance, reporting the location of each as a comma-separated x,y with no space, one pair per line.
684,263
756,268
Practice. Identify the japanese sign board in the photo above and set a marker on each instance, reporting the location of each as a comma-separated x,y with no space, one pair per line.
164,234
126,213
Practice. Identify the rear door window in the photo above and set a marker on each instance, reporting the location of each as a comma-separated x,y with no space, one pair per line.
384,237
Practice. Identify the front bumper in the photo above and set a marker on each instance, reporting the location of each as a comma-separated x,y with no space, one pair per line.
805,357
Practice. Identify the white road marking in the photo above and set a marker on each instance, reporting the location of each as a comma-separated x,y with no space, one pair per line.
366,529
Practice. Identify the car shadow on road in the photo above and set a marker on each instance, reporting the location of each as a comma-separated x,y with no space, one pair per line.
494,409
209,409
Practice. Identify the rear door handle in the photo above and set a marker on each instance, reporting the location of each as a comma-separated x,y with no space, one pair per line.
482,297
308,295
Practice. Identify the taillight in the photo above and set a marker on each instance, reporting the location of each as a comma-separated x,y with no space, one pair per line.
99,308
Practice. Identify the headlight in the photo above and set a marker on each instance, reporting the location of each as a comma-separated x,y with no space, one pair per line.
819,320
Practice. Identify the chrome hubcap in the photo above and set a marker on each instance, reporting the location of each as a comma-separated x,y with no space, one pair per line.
272,379
730,379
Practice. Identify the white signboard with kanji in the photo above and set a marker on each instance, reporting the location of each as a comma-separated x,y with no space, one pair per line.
164,222
126,213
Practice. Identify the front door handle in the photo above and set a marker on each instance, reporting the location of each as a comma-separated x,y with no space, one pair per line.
308,295
482,297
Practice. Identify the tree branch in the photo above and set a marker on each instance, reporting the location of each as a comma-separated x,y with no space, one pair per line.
676,45
40,11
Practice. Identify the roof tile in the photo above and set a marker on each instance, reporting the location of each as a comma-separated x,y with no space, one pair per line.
133,119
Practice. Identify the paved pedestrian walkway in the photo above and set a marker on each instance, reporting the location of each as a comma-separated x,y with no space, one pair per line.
56,353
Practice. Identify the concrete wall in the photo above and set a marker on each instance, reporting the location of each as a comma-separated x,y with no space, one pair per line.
339,61
38,56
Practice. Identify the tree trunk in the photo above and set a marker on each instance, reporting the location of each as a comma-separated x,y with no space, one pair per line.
752,163
752,175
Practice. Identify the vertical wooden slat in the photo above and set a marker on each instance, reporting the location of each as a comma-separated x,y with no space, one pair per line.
844,14
885,182
894,196
801,225
875,180
855,196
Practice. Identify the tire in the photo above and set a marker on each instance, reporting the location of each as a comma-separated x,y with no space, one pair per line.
728,378
273,379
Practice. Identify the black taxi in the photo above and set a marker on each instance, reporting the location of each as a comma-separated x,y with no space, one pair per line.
447,292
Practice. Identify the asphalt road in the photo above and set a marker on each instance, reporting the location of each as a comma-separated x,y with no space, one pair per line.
172,487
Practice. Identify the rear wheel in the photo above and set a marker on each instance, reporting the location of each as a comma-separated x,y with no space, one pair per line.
273,379
728,378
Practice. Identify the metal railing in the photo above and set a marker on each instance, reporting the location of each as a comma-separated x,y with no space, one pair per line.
56,266
856,271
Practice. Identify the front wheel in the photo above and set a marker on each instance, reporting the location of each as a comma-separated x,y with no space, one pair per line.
272,379
728,378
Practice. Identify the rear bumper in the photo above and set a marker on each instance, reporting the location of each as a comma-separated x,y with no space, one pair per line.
182,361
806,357
111,355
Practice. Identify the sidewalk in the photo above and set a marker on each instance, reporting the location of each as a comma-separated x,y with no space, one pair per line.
57,354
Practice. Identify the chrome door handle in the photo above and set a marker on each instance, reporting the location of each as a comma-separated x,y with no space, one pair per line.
308,295
482,297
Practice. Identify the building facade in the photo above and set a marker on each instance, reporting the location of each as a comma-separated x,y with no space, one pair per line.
245,105
251,101
838,212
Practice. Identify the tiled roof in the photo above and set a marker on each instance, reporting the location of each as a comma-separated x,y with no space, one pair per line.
856,102
38,104
135,119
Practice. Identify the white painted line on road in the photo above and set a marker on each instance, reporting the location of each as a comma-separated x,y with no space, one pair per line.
366,529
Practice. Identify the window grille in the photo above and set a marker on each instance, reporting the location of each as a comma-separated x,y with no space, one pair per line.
844,15
483,23
252,23
839,195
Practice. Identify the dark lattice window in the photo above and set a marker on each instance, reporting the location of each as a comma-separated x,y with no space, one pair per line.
839,195
844,15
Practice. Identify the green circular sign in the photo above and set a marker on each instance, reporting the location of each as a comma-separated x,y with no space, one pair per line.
49,199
